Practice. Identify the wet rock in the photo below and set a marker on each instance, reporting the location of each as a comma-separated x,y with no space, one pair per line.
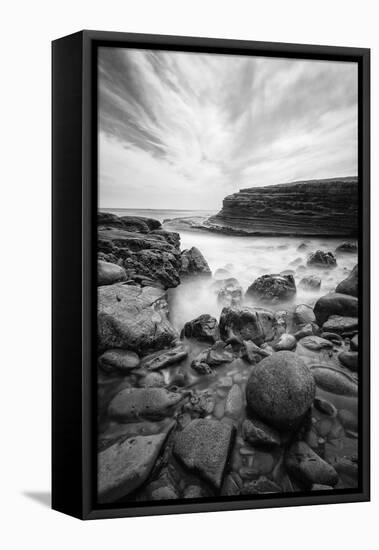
349,359
194,491
108,273
324,406
335,304
164,493
253,353
165,358
232,485
234,401
201,367
193,264
347,248
262,485
354,343
333,337
118,360
280,390
204,328
219,410
345,466
334,380
322,259
201,403
304,315
324,426
246,323
285,342
126,465
258,433
348,420
219,354
311,282
339,324
349,285
261,463
315,343
308,467
306,330
204,446
132,403
272,288
133,318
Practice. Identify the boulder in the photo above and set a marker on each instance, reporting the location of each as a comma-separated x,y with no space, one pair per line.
285,342
311,282
280,390
204,447
132,403
272,288
193,264
133,318
257,433
247,323
315,343
335,304
126,465
306,330
108,274
204,328
349,285
334,380
308,467
303,315
219,354
322,259
118,360
340,324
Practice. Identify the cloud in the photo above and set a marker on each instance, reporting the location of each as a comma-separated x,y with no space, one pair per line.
183,130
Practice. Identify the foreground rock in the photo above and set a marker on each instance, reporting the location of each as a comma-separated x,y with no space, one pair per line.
204,328
247,323
108,274
308,467
133,318
349,359
322,259
350,284
164,359
315,343
315,207
118,360
339,324
272,288
335,304
126,465
132,403
335,381
204,446
150,257
257,433
280,390
193,264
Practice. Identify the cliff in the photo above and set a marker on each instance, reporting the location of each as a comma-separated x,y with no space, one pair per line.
327,207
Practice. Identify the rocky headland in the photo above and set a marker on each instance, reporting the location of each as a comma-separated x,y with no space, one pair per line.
260,399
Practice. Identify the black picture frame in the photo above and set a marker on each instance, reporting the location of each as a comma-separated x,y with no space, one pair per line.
74,206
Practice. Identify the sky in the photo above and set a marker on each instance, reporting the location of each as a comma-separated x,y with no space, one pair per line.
183,130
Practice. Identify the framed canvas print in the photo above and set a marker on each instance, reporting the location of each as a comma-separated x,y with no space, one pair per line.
210,274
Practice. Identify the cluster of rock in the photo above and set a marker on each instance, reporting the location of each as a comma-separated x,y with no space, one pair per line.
226,407
316,207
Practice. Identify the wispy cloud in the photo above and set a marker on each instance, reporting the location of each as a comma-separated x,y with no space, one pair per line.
182,130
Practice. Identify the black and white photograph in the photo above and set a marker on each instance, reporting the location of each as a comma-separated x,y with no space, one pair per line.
227,269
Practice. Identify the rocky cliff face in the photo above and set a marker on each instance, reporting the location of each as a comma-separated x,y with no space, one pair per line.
326,207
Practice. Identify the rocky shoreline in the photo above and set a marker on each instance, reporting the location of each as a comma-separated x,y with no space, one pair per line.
261,400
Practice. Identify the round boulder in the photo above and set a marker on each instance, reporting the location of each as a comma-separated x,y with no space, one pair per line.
272,288
280,390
